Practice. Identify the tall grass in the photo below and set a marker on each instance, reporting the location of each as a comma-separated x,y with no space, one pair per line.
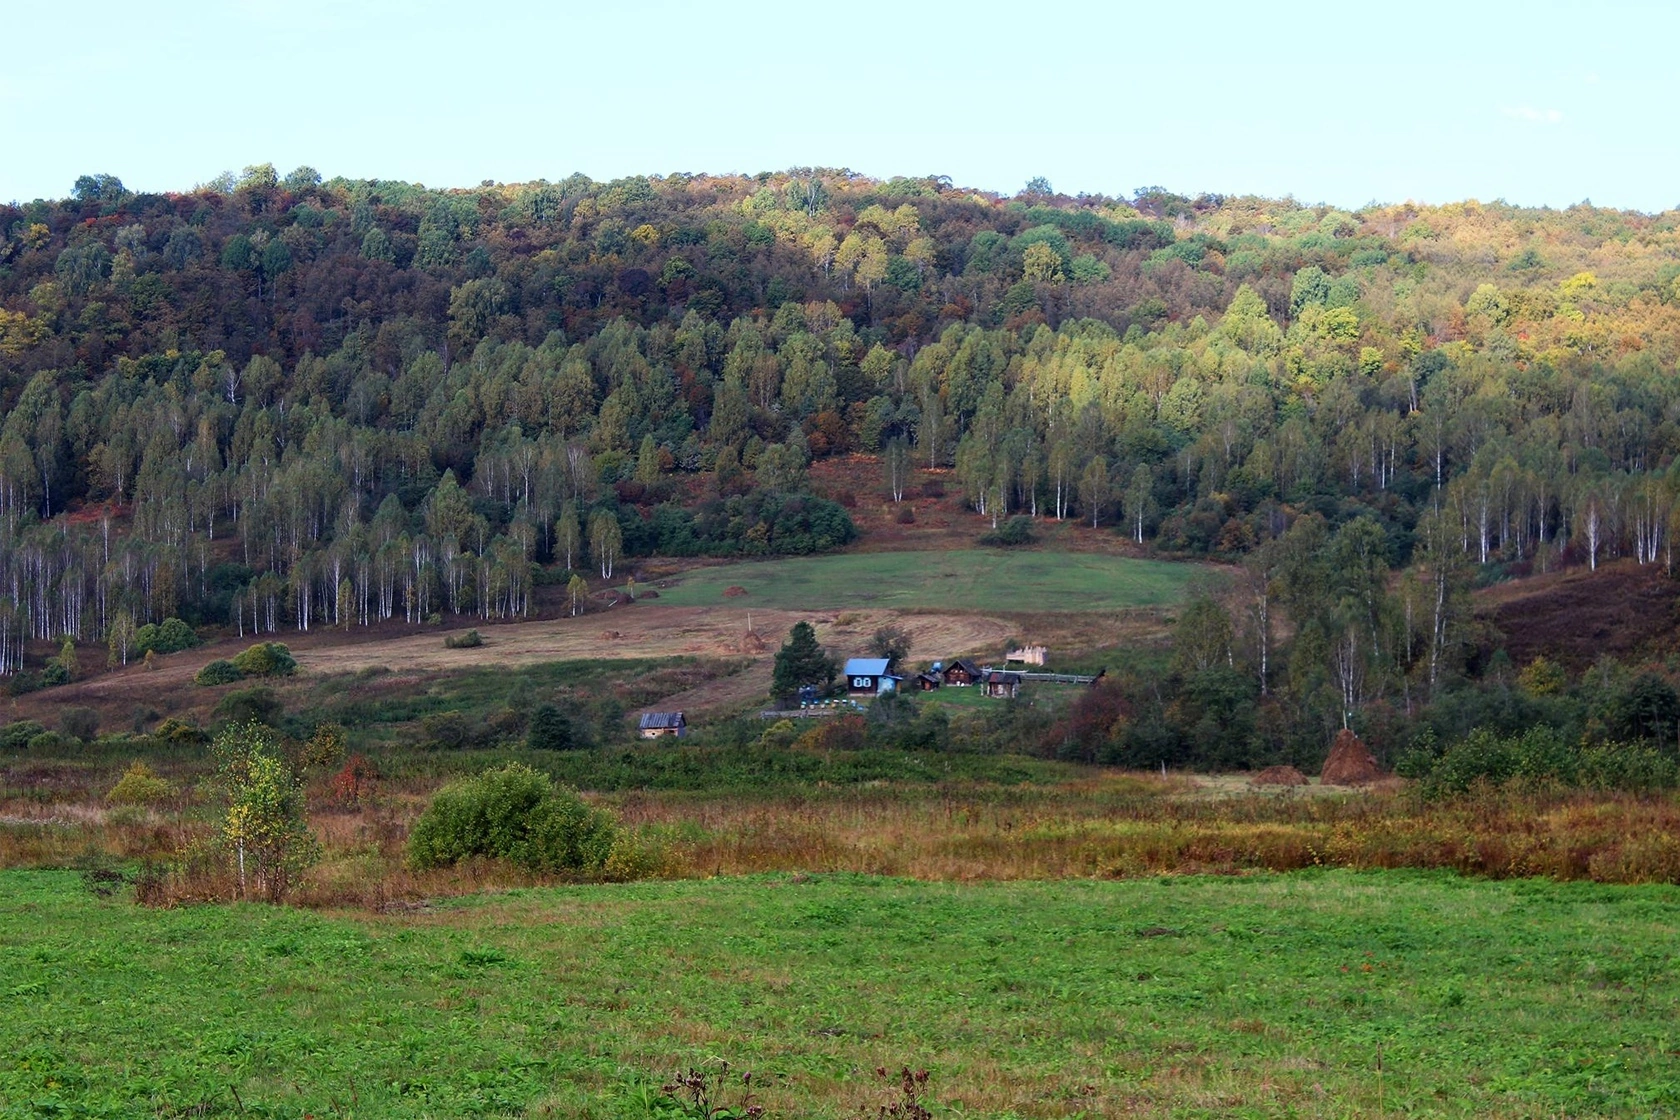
1110,825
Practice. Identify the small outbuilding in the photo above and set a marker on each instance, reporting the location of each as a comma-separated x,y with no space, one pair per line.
1001,684
870,676
657,725
926,682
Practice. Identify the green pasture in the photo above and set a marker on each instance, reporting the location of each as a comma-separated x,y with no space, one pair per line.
972,579
1309,995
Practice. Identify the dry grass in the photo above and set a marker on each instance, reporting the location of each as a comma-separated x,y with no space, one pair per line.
1111,826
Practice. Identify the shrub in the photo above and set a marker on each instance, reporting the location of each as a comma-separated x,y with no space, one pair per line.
172,636
79,723
15,736
50,742
452,731
218,672
353,785
472,639
139,786
250,705
180,733
266,659
551,730
1016,531
54,673
515,814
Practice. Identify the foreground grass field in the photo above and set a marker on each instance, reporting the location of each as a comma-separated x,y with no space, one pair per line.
967,580
1319,994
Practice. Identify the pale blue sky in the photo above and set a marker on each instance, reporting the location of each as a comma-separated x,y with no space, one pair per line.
1539,103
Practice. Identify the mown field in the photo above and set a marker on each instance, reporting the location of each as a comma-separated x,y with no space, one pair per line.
965,580
1320,994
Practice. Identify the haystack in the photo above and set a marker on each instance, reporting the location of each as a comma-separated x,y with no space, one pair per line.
751,642
1350,762
1278,776
734,592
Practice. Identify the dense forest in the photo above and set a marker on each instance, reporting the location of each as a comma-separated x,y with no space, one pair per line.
281,401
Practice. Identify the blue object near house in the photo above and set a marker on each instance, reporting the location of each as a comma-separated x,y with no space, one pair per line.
870,676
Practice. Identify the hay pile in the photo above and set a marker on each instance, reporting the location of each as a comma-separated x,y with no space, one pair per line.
734,592
752,643
1350,762
1278,776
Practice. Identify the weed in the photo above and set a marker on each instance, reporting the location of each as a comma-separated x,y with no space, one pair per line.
702,1096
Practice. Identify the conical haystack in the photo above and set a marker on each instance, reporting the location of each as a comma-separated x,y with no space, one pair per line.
1350,762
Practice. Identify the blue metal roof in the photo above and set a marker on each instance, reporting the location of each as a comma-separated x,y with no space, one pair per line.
867,666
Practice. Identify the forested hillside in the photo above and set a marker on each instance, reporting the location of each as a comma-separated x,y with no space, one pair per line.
277,401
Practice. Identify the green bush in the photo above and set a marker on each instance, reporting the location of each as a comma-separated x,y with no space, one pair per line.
15,736
472,639
139,786
516,814
172,636
551,730
218,672
79,723
250,705
54,673
51,742
1539,755
179,732
1016,531
266,659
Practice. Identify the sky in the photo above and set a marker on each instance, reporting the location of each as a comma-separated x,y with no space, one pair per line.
1538,103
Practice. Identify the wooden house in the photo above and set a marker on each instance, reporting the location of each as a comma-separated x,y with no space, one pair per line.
1001,684
1027,655
869,676
926,682
657,725
961,673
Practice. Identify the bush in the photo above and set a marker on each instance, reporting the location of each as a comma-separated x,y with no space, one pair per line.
180,733
515,814
50,742
1539,755
15,736
251,705
472,639
1016,531
218,672
551,730
79,723
172,636
452,731
139,786
266,659
54,673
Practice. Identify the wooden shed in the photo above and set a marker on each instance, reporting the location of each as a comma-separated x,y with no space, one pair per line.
1002,684
657,725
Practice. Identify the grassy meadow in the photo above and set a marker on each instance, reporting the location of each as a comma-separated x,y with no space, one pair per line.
960,580
1319,995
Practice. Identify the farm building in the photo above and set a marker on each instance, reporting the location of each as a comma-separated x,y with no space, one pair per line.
1027,655
928,681
960,673
657,725
1001,684
870,676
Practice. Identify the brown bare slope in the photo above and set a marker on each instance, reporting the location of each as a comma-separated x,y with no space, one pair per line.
1624,609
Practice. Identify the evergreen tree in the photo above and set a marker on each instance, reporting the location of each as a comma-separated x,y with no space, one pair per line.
802,661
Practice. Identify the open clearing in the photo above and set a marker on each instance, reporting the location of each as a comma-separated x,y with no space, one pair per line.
964,580
1262,996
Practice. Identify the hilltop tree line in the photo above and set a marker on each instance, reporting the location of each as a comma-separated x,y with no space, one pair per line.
286,402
